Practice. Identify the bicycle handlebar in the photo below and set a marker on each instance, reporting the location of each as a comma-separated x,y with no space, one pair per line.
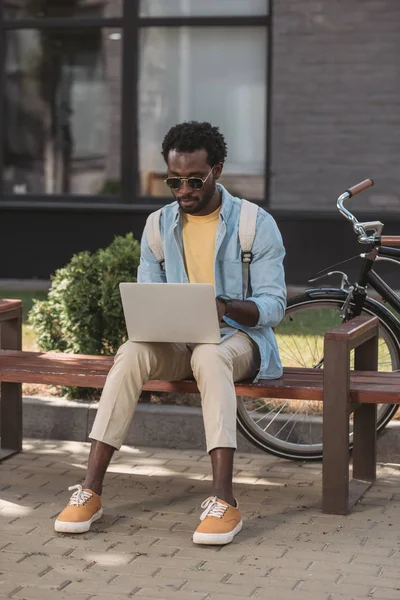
360,187
360,228
390,240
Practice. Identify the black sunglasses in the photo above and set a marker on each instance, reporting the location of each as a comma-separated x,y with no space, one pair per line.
196,183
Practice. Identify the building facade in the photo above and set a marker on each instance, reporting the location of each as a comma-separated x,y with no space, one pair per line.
305,92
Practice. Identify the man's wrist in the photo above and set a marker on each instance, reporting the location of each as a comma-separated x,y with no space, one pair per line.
227,302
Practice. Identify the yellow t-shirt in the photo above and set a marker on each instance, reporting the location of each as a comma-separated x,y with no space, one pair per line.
199,246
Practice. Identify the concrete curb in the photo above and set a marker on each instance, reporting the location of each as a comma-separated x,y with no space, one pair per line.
156,425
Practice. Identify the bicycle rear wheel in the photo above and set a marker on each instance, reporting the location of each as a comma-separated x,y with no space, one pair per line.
293,428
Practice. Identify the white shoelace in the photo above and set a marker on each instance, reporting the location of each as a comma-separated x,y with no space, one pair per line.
80,497
213,508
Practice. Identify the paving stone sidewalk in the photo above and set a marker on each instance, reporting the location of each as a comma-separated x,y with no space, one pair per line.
142,547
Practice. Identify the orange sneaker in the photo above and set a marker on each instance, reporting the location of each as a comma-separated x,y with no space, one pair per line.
84,507
220,522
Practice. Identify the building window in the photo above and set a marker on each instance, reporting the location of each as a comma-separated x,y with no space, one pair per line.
34,9
91,87
62,111
177,8
214,74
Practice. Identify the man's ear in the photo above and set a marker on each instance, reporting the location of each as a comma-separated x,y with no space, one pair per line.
218,170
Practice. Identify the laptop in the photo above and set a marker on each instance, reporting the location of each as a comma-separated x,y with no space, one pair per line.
170,312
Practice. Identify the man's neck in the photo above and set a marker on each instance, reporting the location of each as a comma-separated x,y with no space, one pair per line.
214,203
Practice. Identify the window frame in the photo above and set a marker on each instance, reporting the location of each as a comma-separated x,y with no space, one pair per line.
130,23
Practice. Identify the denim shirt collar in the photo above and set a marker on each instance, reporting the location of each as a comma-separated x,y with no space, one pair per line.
226,206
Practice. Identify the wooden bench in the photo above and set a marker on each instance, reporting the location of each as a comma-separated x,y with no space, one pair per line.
341,391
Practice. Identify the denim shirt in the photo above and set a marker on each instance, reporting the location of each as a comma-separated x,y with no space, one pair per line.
266,288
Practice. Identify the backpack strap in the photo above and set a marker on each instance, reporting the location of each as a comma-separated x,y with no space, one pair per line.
154,239
247,232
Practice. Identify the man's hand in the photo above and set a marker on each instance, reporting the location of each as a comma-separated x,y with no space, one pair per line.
244,312
221,309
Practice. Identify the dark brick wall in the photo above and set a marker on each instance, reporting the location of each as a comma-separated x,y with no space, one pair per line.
336,102
33,243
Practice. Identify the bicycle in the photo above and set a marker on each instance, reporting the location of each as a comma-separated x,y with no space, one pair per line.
293,429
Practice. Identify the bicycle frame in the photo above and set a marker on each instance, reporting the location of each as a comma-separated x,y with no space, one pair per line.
376,251
369,277
377,283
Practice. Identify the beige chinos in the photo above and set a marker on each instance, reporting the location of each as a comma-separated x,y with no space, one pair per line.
214,366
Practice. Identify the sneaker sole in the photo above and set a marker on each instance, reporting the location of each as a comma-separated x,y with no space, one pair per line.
82,527
214,539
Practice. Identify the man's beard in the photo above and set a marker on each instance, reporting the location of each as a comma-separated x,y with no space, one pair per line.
196,205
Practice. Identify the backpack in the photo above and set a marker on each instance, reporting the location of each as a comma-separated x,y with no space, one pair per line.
247,231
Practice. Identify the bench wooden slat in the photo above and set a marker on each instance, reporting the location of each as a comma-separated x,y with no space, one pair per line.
94,380
53,369
77,363
351,329
9,304
54,362
91,371
278,388
59,356
376,394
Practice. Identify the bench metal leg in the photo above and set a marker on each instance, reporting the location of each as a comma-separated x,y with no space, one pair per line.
364,449
338,493
11,396
335,471
11,419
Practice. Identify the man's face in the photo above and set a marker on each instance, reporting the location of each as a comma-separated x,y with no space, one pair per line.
193,164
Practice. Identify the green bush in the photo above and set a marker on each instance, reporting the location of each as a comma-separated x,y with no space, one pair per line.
83,311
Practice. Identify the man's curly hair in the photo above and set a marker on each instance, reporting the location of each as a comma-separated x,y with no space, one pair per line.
193,135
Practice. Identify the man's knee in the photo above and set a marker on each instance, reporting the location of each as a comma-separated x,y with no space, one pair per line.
132,353
207,357
129,349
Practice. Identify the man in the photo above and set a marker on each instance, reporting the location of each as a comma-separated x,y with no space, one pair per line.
201,245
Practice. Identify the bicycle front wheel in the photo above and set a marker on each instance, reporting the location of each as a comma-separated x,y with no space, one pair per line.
293,428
